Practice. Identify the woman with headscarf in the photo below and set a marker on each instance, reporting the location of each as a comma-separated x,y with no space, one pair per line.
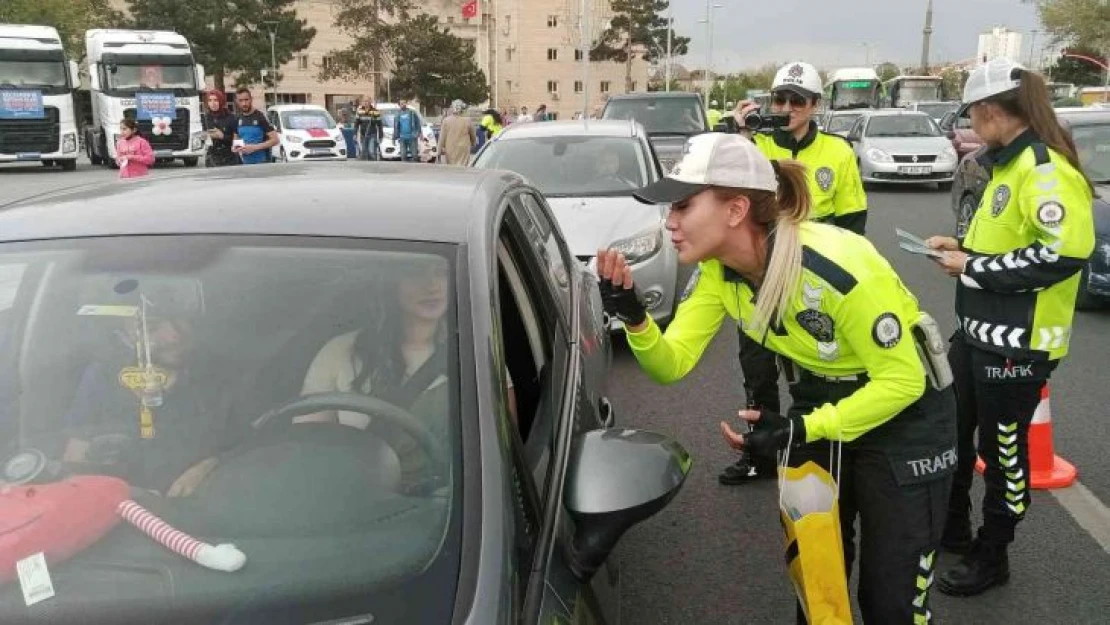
220,125
456,136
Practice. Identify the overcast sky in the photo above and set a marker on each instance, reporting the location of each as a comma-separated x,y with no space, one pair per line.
831,33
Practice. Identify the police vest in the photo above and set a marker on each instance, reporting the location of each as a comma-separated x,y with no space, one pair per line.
1027,244
833,178
851,315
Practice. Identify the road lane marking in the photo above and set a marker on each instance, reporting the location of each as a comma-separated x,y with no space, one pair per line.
1090,513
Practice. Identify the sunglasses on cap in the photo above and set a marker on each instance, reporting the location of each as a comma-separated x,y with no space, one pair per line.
794,99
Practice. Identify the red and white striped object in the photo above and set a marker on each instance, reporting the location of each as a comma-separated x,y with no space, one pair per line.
217,557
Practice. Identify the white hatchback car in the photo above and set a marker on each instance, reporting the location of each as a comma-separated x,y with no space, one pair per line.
308,133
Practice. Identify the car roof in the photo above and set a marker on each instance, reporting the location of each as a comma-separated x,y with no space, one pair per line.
897,112
1074,116
295,107
572,128
346,199
640,95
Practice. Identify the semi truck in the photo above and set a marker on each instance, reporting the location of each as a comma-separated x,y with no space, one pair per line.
37,80
149,76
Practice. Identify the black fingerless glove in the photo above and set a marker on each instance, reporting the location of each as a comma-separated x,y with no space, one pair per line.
772,432
622,303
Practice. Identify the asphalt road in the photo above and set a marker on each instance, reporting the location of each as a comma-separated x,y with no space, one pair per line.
715,554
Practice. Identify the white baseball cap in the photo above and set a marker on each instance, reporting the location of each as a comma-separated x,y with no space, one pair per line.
992,78
801,78
712,159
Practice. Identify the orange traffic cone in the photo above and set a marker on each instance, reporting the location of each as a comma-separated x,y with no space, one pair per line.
1046,468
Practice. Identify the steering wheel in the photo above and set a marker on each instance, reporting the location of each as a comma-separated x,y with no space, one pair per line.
382,413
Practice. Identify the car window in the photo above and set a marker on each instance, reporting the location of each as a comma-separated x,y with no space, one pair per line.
902,126
156,368
307,120
937,111
841,123
274,120
1092,141
577,166
660,115
553,256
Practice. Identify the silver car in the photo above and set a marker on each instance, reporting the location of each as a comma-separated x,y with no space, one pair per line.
588,172
906,147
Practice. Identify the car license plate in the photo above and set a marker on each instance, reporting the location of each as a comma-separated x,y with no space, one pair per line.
321,152
915,170
28,156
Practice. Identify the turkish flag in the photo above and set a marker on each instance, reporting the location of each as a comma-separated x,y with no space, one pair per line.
470,9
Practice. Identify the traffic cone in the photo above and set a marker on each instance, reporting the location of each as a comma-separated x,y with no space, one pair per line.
1047,470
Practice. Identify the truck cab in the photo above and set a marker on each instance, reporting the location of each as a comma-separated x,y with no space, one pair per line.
37,120
149,76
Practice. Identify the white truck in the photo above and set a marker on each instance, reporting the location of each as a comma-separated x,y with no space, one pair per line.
151,77
37,120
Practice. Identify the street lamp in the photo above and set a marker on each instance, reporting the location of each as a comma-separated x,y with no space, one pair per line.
708,21
272,27
670,27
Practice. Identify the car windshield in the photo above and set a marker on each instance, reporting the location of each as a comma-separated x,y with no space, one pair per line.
937,111
660,115
307,120
297,398
841,123
902,126
1092,141
571,166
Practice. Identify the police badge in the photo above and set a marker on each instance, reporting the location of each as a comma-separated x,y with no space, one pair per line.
824,178
817,323
1000,199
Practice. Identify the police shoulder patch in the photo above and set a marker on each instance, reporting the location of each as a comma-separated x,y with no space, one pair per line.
691,284
819,325
824,177
1000,199
1050,214
887,330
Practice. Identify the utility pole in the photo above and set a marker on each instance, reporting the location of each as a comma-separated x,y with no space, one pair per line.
670,27
585,41
925,34
1032,46
272,26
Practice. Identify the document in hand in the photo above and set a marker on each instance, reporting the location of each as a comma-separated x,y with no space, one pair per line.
915,244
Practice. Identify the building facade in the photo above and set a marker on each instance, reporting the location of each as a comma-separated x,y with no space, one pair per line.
999,42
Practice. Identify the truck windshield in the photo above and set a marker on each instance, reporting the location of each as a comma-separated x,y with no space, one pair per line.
141,76
854,94
27,69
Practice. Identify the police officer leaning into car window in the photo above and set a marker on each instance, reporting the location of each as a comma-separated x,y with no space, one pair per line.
837,197
867,367
1019,268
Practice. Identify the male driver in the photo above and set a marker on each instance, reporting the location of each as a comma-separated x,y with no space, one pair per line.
254,130
407,126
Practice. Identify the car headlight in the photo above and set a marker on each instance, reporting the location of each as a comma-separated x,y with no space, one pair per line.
294,139
641,245
198,140
878,156
69,142
947,155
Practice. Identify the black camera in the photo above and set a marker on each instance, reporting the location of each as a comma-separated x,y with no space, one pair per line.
757,121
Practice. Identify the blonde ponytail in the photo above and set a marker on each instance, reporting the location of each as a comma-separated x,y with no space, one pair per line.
784,213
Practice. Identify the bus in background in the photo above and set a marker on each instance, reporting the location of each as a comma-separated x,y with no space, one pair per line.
37,120
150,76
902,91
852,88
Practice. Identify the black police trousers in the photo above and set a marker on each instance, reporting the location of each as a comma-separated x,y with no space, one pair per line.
996,396
896,480
761,386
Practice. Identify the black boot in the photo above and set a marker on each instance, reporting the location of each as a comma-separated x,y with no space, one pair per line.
957,537
744,471
986,565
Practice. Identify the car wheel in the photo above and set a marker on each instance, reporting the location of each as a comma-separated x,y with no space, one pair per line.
964,213
1085,300
91,153
190,162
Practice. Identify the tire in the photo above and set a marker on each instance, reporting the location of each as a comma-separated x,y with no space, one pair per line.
94,158
48,163
69,164
1084,300
191,161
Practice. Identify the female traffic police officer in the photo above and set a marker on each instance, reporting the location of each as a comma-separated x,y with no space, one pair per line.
837,197
828,303
1019,268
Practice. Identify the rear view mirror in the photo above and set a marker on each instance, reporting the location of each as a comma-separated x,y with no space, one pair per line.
615,479
94,77
201,86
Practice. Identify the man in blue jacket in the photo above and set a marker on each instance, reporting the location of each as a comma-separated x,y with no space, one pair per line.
407,126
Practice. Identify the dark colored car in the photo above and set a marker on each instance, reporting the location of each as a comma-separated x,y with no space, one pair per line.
670,118
1090,129
396,377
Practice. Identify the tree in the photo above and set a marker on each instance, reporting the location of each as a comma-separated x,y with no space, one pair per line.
71,18
887,70
1083,23
1076,71
230,37
435,65
372,27
638,28
952,82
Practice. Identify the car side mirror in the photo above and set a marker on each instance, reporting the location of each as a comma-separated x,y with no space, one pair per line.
617,478
199,70
94,77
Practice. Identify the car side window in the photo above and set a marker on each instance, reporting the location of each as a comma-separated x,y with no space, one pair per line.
275,121
857,130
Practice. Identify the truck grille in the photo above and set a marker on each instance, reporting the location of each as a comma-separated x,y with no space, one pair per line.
921,158
30,135
178,139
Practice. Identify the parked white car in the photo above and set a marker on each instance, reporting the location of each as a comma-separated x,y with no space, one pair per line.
390,151
308,133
